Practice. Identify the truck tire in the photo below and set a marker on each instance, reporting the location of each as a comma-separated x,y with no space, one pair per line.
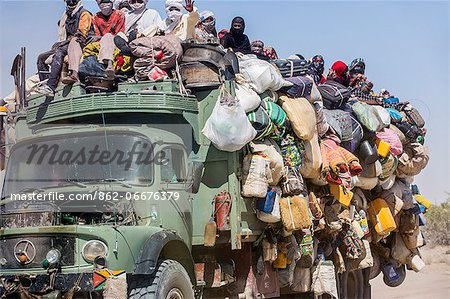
170,281
352,285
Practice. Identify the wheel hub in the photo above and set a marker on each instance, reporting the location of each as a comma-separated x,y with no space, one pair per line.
175,294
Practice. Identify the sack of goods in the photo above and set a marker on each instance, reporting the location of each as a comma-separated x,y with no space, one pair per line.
341,122
268,209
270,149
261,122
334,95
248,98
260,74
301,88
368,116
256,176
327,172
301,115
295,213
161,51
278,116
228,127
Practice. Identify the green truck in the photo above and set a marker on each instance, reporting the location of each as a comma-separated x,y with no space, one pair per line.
74,227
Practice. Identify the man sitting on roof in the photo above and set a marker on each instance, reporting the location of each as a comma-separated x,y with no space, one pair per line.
360,86
206,28
75,27
140,20
179,24
108,22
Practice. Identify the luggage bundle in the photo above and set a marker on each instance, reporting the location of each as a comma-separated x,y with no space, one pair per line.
291,67
331,168
163,52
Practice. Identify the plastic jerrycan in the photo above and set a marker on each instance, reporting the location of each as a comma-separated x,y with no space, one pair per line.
381,217
422,200
341,194
383,148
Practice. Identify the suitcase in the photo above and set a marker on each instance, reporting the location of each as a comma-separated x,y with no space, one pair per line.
334,95
291,67
414,117
301,89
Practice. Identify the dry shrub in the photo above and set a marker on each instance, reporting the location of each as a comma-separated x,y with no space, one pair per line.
437,227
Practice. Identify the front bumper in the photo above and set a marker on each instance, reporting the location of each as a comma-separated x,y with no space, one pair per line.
41,284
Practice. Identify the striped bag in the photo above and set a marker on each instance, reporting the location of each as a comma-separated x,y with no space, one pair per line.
261,122
278,117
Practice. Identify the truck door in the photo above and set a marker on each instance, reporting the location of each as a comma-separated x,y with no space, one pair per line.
177,206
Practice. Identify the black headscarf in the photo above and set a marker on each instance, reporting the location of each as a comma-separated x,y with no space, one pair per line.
236,39
316,68
237,32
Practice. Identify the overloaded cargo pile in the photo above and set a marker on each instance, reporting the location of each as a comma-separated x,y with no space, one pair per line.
329,169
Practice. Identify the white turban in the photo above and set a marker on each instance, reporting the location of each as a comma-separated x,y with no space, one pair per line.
174,3
173,16
206,14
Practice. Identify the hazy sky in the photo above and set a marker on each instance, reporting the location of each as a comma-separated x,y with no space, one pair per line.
405,45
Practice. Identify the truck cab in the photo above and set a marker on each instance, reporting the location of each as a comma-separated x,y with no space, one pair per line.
118,185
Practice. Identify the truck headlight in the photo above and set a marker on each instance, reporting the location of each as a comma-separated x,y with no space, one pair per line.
53,256
93,249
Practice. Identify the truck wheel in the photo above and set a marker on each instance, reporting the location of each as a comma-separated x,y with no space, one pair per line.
352,285
170,281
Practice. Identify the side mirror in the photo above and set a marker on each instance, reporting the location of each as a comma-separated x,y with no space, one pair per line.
195,175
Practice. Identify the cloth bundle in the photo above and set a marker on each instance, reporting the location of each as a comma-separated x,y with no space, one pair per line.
339,165
161,51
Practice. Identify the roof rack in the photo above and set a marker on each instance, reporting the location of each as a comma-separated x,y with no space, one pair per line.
72,102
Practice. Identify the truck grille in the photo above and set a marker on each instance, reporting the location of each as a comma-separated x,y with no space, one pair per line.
27,220
37,248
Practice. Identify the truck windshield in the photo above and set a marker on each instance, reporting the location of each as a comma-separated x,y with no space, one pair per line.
77,160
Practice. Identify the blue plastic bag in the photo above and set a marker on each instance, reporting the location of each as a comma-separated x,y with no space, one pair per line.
395,114
391,101
266,205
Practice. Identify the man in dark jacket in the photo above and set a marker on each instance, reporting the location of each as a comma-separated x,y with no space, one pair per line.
236,39
75,23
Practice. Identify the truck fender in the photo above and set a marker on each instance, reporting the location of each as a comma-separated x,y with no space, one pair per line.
164,245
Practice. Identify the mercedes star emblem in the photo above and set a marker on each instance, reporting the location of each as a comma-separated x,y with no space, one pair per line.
24,252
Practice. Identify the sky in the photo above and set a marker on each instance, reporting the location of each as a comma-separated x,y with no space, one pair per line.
406,46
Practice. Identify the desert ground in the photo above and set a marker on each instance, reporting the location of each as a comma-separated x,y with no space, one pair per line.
433,282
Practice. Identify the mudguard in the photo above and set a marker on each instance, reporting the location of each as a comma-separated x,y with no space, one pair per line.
164,245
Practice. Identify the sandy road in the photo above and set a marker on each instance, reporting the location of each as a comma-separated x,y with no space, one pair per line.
433,282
